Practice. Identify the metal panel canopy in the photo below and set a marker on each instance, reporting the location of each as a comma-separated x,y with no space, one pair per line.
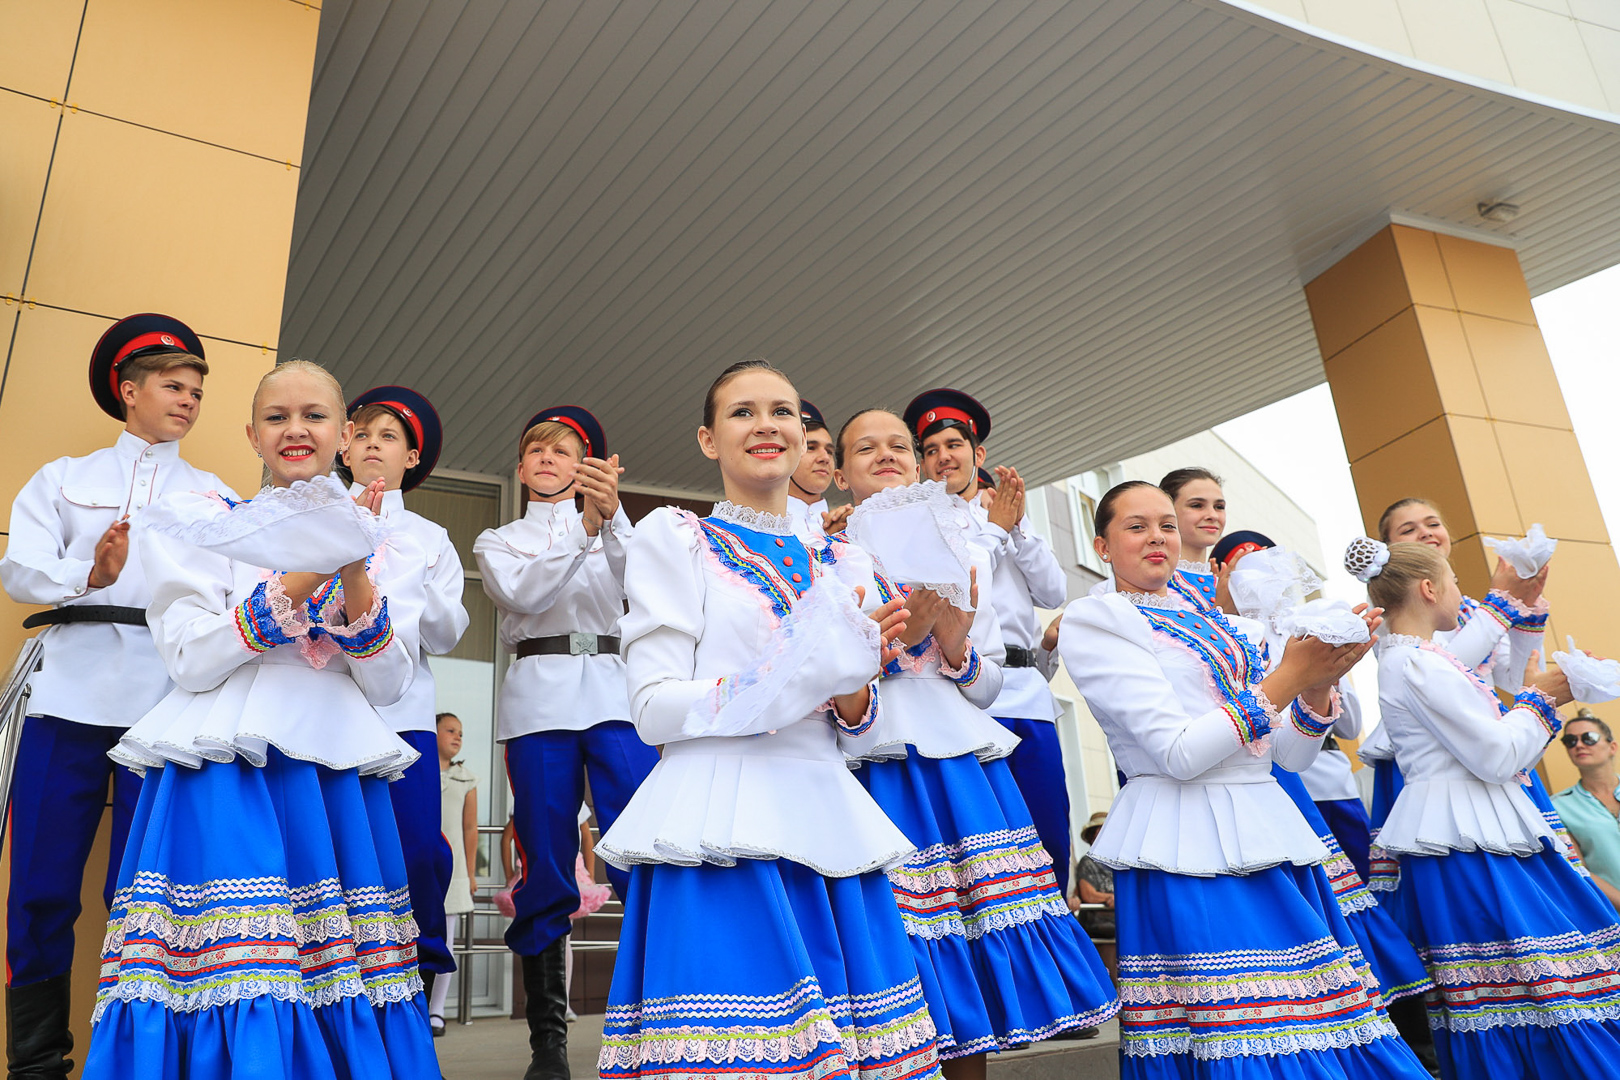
1095,215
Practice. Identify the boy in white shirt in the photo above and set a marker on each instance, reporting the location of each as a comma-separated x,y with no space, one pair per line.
806,503
69,547
557,575
397,438
951,428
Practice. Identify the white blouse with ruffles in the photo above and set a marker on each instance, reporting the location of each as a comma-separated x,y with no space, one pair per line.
251,672
753,763
1459,756
1200,798
940,713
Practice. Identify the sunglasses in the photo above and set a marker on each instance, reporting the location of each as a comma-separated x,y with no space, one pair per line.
1586,738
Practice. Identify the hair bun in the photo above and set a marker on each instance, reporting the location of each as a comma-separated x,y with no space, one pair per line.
1365,558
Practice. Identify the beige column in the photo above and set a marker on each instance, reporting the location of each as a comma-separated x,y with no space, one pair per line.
1444,390
150,164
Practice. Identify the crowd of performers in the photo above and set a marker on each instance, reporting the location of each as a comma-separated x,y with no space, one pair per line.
831,798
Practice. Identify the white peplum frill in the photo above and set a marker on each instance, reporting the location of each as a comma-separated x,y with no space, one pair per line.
1432,817
1460,758
1197,800
248,713
243,687
752,764
786,795
1225,822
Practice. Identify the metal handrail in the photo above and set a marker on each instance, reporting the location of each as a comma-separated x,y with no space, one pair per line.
13,709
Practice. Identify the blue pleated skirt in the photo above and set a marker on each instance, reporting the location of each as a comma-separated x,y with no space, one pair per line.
1246,977
261,927
1385,874
1527,959
1396,968
1002,958
763,971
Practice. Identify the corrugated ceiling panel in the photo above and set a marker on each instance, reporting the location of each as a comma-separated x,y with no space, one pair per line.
1092,214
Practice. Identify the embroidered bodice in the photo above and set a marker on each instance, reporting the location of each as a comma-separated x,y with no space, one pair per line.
731,666
1195,581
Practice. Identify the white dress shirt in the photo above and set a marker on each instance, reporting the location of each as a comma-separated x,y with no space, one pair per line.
549,577
1027,575
420,573
105,674
807,518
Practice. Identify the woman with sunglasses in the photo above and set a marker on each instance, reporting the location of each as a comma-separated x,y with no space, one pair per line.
1591,806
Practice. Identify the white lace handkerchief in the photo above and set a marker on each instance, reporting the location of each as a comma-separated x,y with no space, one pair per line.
314,526
919,533
1526,556
1267,584
1331,621
1590,679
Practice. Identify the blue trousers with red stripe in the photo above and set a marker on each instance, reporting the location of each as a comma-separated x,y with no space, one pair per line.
1037,768
547,771
428,864
57,799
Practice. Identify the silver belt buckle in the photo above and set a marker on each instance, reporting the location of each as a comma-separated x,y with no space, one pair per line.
580,644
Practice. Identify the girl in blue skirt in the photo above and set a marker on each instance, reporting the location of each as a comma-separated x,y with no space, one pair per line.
261,924
760,938
1002,960
1526,957
1234,958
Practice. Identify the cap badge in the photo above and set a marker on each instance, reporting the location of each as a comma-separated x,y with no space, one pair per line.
167,340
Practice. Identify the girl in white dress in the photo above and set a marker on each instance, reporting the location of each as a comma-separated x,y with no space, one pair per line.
760,938
1234,957
1526,956
261,921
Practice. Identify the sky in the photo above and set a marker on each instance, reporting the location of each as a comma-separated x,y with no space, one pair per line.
1296,441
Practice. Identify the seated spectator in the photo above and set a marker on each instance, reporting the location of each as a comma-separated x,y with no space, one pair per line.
1591,807
1095,885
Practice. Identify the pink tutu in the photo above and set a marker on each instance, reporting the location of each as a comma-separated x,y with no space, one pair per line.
591,895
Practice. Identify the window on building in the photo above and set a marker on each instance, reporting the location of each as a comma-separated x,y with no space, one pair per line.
1084,492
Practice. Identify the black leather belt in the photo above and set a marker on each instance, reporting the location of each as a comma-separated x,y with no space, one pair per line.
76,613
575,644
1020,657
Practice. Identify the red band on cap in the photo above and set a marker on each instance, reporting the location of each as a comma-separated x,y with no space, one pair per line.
135,345
934,416
1243,549
584,438
411,419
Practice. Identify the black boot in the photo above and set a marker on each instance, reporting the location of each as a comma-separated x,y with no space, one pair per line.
1411,1019
545,986
37,1038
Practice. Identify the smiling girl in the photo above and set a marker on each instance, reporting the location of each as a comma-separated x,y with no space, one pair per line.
760,937
261,920
1003,959
1234,958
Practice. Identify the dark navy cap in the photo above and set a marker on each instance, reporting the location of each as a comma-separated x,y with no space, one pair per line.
985,479
586,426
129,337
810,415
1247,539
421,420
934,410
